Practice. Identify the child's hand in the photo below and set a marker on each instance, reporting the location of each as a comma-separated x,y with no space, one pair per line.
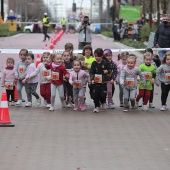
105,71
67,76
117,82
112,81
153,81
92,81
24,81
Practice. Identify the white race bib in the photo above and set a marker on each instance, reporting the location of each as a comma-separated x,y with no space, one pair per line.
130,82
147,75
55,75
78,84
98,78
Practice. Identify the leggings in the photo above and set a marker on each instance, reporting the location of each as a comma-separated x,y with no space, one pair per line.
10,93
143,93
79,94
165,90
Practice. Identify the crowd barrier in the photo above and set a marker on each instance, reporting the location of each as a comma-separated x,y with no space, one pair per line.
39,51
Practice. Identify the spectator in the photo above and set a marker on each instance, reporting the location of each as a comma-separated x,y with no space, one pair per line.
162,36
46,25
85,32
115,29
135,30
63,23
124,28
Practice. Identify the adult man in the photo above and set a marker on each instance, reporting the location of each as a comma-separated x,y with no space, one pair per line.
162,36
85,32
46,25
63,23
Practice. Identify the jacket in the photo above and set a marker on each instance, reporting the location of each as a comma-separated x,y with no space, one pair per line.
162,36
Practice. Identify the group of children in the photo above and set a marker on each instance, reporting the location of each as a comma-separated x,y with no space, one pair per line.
70,74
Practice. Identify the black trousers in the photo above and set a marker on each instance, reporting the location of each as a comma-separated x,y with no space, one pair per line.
82,44
165,90
99,94
68,90
10,93
45,32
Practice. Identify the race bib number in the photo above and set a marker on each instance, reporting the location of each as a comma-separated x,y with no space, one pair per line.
45,73
98,78
147,75
21,70
130,81
55,75
167,76
78,84
9,85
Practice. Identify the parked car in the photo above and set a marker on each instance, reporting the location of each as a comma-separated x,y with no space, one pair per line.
34,28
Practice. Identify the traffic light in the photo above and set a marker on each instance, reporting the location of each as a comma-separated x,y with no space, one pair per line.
74,7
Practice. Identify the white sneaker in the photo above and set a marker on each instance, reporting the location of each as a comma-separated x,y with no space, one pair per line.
45,102
48,105
69,105
104,106
145,108
151,105
96,110
51,108
38,101
111,106
18,103
29,104
163,108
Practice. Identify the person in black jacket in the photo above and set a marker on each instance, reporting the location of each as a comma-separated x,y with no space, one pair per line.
162,36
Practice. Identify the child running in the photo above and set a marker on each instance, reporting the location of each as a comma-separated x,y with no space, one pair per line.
70,48
123,57
149,73
44,78
110,83
68,89
31,83
163,76
99,73
20,73
8,80
78,80
58,70
128,81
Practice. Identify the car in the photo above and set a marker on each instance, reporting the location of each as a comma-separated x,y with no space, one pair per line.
35,28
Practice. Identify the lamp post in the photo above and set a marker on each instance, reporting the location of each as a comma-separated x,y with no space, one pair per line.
81,6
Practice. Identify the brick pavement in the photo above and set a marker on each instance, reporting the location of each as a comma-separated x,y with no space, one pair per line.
67,140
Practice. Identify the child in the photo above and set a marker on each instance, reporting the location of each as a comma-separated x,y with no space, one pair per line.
99,74
58,70
163,76
20,73
69,47
149,73
123,56
8,80
84,65
68,89
110,83
44,79
31,83
78,80
128,81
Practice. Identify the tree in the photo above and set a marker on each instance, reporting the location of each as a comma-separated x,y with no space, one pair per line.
2,9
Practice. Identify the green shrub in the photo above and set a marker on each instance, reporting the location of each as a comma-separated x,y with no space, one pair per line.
145,32
107,33
4,27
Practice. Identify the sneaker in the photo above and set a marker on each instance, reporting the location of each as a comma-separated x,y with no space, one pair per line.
18,103
82,107
104,106
69,105
111,106
76,108
96,110
38,101
12,103
145,108
151,105
125,110
48,105
137,104
121,105
163,108
45,102
29,104
51,108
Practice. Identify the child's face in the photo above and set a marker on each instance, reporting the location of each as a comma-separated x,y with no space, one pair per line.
76,66
10,64
29,60
168,60
58,59
87,52
98,59
148,60
22,55
66,57
124,61
109,57
131,63
45,59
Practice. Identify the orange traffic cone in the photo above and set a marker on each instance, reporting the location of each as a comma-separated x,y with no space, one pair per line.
4,113
38,60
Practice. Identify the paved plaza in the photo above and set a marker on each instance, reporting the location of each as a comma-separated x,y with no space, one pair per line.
70,140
